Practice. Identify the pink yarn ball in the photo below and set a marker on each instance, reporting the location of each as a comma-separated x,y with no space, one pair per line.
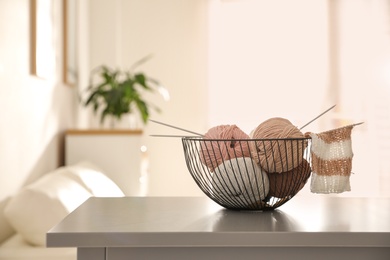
213,152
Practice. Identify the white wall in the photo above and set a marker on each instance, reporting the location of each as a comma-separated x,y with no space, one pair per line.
214,56
241,62
362,57
268,59
33,112
295,59
175,32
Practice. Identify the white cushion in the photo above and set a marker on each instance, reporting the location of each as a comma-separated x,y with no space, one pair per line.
42,204
93,179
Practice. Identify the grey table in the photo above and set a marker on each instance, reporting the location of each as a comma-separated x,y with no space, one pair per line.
319,227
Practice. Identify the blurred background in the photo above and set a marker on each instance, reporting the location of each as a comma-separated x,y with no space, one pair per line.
222,61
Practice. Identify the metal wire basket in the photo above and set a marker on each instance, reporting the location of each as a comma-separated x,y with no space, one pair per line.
248,174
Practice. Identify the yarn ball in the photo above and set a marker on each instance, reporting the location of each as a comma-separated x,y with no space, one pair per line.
213,152
241,178
277,155
289,183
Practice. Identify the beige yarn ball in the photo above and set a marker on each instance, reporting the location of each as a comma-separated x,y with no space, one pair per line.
277,155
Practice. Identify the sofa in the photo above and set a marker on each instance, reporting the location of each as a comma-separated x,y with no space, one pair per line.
31,212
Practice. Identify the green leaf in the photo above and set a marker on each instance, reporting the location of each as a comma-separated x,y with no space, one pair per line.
141,79
115,92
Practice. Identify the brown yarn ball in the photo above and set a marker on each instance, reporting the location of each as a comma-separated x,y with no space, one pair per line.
289,183
277,155
213,151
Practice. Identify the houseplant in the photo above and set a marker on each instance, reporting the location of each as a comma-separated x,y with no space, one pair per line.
118,92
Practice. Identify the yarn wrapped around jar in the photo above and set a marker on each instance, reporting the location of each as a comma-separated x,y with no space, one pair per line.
277,155
289,183
215,150
240,179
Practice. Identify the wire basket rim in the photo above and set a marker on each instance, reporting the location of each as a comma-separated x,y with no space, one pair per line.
244,139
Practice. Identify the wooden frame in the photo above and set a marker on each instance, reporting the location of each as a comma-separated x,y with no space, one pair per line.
42,45
69,72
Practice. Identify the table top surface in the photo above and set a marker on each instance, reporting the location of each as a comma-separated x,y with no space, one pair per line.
198,221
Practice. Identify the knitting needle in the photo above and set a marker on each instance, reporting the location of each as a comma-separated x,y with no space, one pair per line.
181,136
185,130
317,117
358,124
